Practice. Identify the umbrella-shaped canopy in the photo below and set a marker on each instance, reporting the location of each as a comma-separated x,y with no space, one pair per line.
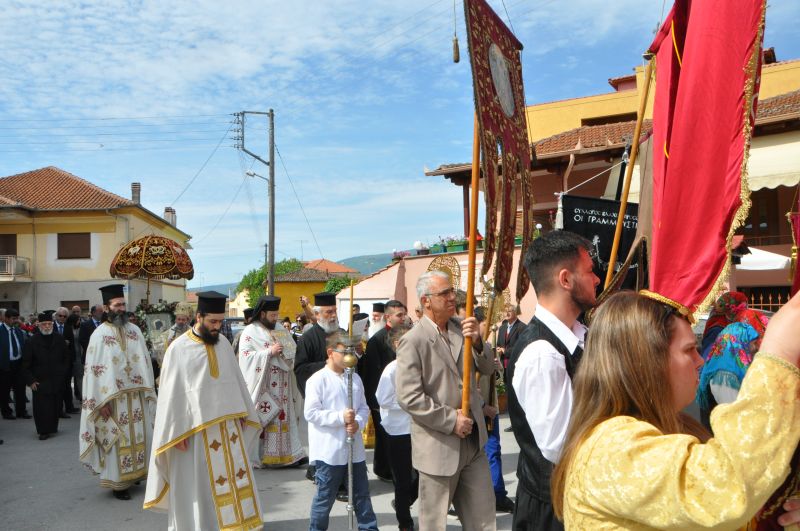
152,257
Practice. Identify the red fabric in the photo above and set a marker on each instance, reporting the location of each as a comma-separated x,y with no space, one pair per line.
504,140
701,104
796,229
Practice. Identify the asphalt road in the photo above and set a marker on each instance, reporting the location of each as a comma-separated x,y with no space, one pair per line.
44,486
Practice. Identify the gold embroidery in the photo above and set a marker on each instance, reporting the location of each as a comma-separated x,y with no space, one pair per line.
158,499
215,445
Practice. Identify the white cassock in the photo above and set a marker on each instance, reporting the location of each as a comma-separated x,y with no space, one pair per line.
271,387
202,398
117,373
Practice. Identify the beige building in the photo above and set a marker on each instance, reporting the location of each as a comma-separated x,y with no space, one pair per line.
59,234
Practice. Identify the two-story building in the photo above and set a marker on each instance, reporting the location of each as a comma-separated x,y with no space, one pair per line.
59,234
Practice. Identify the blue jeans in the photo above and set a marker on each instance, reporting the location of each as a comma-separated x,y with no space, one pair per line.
492,450
328,479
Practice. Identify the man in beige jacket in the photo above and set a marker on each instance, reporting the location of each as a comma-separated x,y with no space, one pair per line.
446,446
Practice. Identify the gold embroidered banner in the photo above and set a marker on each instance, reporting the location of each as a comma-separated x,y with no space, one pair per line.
505,150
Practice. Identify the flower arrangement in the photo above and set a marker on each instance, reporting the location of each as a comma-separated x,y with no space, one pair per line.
449,241
398,255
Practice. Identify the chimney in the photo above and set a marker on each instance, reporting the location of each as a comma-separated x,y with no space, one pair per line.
136,193
170,216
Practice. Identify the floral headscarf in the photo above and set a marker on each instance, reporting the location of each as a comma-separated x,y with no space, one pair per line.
730,353
725,309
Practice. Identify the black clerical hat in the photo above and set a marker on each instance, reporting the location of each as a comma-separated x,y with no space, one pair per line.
45,317
211,302
112,291
248,313
379,307
267,303
325,298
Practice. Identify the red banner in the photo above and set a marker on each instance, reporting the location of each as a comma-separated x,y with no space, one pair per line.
500,106
708,65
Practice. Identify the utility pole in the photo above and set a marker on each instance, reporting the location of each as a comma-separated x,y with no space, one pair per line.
269,251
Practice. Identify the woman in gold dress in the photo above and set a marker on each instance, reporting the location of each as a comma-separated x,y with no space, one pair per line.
632,460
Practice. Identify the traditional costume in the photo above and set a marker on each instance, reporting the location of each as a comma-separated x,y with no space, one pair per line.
45,359
269,382
204,401
118,374
311,351
248,316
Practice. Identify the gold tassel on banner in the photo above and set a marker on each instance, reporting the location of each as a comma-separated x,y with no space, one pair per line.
456,54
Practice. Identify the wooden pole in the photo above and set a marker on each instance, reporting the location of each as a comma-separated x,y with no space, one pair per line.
623,205
473,236
350,328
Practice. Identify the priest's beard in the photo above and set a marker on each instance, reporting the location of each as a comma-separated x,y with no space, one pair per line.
329,326
375,327
269,324
209,337
118,319
181,328
46,332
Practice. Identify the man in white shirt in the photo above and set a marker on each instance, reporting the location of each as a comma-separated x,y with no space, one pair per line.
541,366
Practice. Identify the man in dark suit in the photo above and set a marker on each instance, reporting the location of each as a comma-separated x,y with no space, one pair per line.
507,335
12,340
68,334
88,326
377,356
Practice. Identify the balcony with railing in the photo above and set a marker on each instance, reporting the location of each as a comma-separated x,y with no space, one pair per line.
15,268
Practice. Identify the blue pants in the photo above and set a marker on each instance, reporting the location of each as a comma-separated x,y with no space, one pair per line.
328,478
492,450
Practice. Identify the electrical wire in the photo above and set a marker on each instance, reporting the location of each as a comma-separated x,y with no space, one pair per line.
302,210
224,136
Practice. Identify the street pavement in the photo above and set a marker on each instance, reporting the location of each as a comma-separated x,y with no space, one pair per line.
44,486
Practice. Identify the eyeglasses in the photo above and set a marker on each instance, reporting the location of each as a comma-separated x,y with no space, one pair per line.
61,315
446,293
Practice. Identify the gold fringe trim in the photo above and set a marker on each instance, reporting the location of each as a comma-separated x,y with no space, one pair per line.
680,308
744,191
158,499
198,429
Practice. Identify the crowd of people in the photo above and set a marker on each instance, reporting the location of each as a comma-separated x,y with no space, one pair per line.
598,411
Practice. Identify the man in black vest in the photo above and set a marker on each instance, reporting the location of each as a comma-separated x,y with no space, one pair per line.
541,367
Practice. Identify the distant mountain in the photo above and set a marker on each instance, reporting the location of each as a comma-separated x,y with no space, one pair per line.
222,288
369,263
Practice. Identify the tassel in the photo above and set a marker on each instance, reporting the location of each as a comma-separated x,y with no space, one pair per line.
456,55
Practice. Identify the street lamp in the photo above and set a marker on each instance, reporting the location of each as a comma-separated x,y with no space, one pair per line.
269,259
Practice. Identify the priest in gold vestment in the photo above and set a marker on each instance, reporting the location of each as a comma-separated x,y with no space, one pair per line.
205,425
118,405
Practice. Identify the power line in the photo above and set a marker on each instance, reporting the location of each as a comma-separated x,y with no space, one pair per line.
302,210
224,213
110,118
224,136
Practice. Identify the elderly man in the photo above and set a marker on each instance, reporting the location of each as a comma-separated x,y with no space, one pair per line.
200,472
446,447
44,366
377,320
119,399
68,334
311,350
266,358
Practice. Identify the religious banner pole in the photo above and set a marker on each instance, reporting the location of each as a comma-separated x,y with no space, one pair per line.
623,205
473,237
350,327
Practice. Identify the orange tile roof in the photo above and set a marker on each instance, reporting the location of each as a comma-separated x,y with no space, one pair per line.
326,265
780,105
52,188
304,275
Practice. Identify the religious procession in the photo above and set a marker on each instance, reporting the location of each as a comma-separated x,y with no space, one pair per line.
611,344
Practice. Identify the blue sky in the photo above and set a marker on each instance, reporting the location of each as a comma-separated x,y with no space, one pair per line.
365,94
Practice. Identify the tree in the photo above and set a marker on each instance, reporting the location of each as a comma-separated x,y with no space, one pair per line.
337,284
253,280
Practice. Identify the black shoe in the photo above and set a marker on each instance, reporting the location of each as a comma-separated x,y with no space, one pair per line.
504,505
393,507
43,436
302,461
310,471
122,494
341,496
24,416
508,429
9,416
73,410
451,511
65,416
385,479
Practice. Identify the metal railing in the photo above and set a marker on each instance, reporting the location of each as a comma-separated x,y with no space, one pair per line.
15,266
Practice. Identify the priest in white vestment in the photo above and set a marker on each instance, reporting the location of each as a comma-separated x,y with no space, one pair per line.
119,400
205,426
266,357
